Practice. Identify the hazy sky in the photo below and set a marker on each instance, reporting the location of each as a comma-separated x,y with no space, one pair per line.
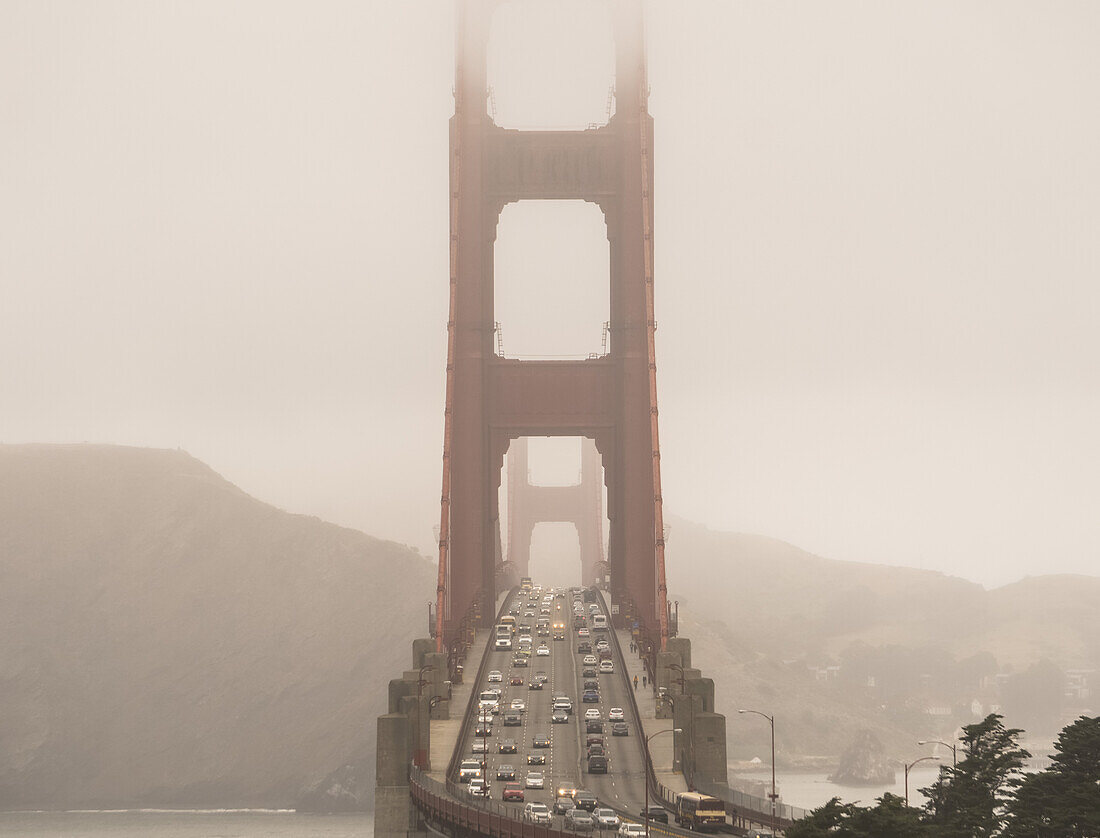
223,227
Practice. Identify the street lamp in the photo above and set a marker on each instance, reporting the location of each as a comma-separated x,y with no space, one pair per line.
649,763
773,796
954,749
907,767
420,683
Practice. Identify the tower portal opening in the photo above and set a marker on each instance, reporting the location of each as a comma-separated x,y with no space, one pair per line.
551,65
552,284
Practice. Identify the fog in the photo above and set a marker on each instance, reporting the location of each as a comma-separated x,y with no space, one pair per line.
223,227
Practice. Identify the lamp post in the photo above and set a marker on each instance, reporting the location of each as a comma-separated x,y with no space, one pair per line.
420,683
909,766
954,749
773,796
649,763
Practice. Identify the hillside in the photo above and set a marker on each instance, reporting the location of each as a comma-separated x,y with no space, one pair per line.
167,640
768,620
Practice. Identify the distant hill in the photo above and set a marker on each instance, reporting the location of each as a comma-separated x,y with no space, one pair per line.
763,615
167,640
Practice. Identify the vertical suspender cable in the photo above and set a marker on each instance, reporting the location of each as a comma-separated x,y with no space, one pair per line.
651,333
448,413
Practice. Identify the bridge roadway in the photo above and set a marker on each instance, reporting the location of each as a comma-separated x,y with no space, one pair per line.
622,787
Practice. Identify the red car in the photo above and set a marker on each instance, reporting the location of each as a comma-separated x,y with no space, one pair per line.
517,680
512,791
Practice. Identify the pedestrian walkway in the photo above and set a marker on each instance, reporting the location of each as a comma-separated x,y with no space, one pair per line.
444,732
660,747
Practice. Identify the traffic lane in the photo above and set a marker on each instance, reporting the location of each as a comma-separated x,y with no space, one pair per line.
566,748
624,784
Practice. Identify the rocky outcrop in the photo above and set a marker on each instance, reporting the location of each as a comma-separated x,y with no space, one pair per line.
864,763
167,640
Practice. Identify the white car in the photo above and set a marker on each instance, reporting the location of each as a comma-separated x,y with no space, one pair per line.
616,714
480,746
589,660
591,713
543,651
632,830
519,704
607,819
478,787
495,677
607,667
582,632
540,813
535,780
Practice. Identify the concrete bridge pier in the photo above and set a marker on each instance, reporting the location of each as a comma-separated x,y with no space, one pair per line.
404,737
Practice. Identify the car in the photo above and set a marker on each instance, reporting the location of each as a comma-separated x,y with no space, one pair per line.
593,739
589,672
483,730
591,684
530,612
584,648
507,746
620,729
603,654
495,677
540,813
607,819
512,791
535,780
606,667
519,705
535,685
542,740
616,714
592,713
519,660
632,830
536,759
596,750
513,718
565,705
585,800
526,639
480,746
590,697
542,676
559,717
656,813
543,631
478,787
577,820
589,660
593,608
506,772
602,644
516,680
563,804
582,632
503,642
468,769
543,651
485,716
593,726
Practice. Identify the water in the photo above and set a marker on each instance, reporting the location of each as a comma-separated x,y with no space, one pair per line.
812,790
241,823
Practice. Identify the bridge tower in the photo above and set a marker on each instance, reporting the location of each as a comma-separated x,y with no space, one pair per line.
580,504
491,400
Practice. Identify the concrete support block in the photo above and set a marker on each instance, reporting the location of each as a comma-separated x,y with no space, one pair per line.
680,646
392,752
709,744
704,688
420,647
395,816
399,688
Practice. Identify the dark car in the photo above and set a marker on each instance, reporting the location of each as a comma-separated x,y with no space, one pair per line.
563,805
535,685
541,741
593,726
656,813
513,719
506,772
589,697
508,746
585,800
516,681
584,648
577,821
591,684
596,750
483,730
519,660
593,739
597,764
620,729
589,672
536,759
512,791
